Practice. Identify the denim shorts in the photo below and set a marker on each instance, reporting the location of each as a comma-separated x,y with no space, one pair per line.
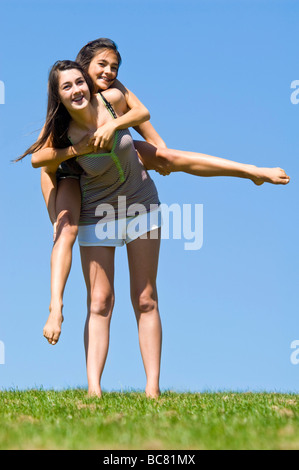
120,232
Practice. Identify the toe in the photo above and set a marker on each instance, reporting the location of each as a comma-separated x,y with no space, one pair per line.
46,335
55,338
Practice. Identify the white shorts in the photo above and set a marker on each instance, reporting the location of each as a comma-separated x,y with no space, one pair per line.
121,231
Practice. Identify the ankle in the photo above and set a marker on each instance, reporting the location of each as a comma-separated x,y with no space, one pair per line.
56,307
95,392
152,391
251,171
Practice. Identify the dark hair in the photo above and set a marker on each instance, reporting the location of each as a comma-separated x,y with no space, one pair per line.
58,118
87,53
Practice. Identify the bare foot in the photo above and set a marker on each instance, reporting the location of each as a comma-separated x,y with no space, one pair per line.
152,393
95,392
52,328
269,175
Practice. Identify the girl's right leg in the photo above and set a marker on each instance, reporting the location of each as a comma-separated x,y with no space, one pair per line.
68,206
98,270
166,160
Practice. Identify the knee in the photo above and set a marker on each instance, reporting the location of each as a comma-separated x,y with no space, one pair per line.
102,304
66,227
164,155
145,301
165,161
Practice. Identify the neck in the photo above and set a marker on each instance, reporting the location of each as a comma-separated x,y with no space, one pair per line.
85,118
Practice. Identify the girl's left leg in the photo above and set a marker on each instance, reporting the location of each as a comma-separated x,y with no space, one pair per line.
143,255
166,160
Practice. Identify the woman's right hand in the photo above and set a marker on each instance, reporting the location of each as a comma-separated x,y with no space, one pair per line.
103,136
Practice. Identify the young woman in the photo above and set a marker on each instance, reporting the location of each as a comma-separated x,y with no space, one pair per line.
107,176
101,59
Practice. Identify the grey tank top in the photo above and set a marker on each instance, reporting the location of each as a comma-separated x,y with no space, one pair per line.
117,178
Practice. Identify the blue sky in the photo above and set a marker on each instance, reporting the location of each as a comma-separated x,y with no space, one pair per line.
216,77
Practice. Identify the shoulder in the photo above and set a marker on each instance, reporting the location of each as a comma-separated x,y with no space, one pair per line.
116,98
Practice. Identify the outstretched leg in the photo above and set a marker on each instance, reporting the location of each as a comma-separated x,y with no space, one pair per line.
68,204
166,160
143,257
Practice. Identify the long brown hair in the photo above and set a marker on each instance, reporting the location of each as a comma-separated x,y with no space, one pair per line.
58,118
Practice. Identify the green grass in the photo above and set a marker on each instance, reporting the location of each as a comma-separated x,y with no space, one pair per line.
40,419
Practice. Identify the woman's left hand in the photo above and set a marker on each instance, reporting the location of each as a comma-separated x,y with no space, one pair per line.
103,136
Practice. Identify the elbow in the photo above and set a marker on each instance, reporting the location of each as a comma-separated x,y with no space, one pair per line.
34,162
147,115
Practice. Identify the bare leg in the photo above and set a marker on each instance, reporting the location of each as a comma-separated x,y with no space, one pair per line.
68,203
143,257
169,160
98,270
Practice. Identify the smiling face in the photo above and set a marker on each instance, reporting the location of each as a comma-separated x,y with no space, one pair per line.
73,90
103,69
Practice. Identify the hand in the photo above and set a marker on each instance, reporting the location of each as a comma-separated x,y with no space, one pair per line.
162,166
84,146
162,171
103,136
